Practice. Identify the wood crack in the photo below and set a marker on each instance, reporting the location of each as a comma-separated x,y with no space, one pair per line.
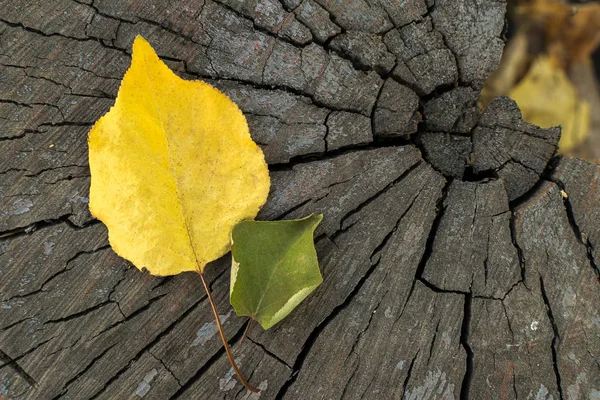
58,273
555,341
577,231
68,384
267,352
409,374
312,337
207,365
7,361
464,341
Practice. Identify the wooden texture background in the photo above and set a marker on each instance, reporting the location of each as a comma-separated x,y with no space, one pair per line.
459,254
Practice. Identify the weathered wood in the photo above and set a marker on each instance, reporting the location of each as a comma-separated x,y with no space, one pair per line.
513,150
472,251
460,259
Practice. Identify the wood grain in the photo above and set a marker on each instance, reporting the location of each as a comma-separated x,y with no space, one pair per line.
460,257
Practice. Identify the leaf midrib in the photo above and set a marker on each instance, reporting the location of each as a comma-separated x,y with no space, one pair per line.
171,166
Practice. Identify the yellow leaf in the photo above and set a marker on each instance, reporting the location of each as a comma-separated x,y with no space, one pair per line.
173,169
547,98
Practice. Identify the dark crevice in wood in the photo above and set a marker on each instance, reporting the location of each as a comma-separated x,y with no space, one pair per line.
510,328
30,174
163,281
555,340
514,385
31,350
596,360
12,169
137,19
205,367
325,144
130,316
270,87
437,92
29,229
590,256
515,242
577,231
516,161
29,105
274,35
166,367
8,361
67,178
65,347
464,341
366,328
79,313
471,176
503,296
412,86
58,273
373,198
17,103
148,346
409,374
372,116
328,189
350,379
485,260
379,141
208,364
307,158
420,124
66,386
543,177
267,352
326,43
7,327
437,327
357,64
312,338
72,123
49,35
431,238
436,289
291,210
14,137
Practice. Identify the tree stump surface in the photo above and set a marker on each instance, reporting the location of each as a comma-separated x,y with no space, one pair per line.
459,255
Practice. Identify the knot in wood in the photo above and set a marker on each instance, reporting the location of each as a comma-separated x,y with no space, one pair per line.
498,144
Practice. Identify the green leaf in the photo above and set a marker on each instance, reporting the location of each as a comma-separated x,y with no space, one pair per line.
274,267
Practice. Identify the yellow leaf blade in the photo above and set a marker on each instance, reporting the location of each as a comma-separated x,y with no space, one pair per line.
173,169
547,98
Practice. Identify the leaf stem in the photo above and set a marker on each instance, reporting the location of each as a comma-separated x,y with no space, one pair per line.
224,339
247,329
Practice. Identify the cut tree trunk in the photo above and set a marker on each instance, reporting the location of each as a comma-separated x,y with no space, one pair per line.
459,254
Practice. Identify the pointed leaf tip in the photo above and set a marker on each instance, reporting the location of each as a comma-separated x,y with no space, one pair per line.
274,267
